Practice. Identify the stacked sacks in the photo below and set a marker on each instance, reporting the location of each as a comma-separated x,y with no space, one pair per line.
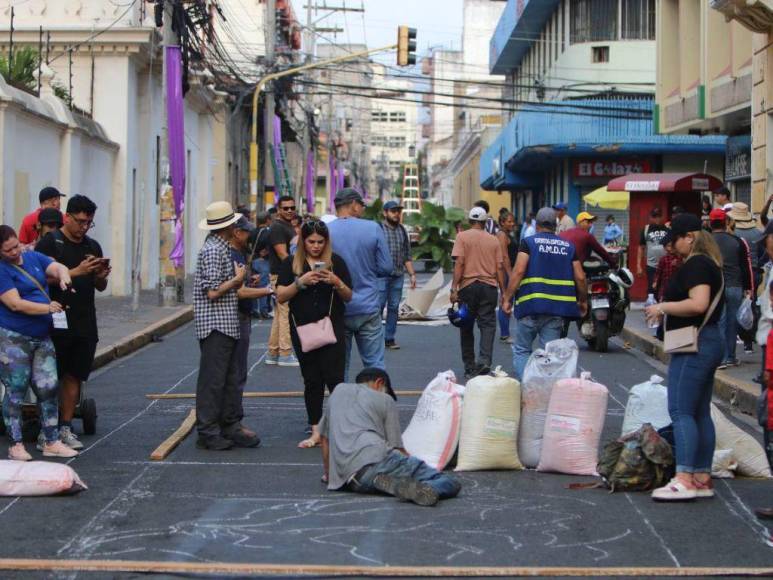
748,453
573,427
545,367
492,410
433,433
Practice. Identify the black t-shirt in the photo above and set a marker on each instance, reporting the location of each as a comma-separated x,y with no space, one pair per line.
696,271
80,308
279,233
313,303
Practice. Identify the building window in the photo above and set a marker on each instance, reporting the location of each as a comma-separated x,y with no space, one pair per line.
593,20
600,54
397,117
638,19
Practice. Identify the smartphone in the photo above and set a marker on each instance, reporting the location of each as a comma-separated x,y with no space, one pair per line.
318,266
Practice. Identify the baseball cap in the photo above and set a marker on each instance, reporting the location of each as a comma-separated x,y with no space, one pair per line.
727,207
559,205
684,223
392,205
717,215
584,215
49,193
244,224
347,196
478,214
656,212
49,215
546,216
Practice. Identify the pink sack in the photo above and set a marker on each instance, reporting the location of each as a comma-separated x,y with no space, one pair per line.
29,478
573,427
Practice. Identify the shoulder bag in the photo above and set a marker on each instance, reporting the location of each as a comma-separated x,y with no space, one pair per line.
685,340
33,280
317,334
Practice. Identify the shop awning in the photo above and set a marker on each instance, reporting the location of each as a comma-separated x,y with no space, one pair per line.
605,199
665,182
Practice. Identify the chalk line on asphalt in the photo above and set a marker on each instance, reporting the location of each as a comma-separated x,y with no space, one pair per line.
747,517
655,533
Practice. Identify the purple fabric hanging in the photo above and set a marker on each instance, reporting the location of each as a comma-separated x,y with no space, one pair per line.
277,155
176,135
332,179
311,180
340,177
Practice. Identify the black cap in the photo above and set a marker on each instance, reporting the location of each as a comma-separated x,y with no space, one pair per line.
49,193
684,223
392,205
244,224
49,215
347,196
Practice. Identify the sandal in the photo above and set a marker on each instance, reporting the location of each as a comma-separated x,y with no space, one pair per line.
675,490
309,443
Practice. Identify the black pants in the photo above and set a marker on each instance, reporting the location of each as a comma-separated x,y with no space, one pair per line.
320,368
218,397
481,299
651,279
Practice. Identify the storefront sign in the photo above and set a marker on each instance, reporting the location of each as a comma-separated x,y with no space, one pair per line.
700,184
738,158
610,168
642,185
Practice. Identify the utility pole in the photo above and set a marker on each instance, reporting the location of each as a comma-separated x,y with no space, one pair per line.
170,282
268,108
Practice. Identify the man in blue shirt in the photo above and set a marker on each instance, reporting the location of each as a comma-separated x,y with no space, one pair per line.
363,246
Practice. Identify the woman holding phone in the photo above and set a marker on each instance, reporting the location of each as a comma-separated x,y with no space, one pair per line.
317,284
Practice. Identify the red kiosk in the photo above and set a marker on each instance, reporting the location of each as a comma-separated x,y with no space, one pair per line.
663,190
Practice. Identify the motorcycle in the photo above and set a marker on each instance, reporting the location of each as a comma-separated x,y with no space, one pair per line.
608,300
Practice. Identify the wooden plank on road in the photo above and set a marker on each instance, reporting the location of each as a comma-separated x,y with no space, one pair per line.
162,451
263,395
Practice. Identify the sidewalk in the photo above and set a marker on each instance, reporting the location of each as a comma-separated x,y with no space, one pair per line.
122,331
735,385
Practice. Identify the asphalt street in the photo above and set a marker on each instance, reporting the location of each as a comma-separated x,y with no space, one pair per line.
268,505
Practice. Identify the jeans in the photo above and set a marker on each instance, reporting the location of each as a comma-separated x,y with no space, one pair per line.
218,397
728,323
398,465
690,387
541,326
29,362
262,269
368,331
391,294
481,300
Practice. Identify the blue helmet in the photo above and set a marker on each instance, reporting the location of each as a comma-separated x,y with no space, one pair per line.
460,316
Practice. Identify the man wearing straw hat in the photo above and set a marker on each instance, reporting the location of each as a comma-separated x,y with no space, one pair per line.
216,317
742,223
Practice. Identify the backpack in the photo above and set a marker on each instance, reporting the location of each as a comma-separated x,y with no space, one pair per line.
59,245
639,461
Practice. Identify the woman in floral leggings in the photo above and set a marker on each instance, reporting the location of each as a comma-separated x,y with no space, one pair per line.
27,356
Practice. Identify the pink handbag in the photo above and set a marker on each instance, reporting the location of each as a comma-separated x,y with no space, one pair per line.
317,334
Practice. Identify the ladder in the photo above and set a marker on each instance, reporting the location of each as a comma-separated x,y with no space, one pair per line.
411,196
282,183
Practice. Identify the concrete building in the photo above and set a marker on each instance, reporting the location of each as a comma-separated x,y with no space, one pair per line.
704,83
756,16
392,132
581,82
117,84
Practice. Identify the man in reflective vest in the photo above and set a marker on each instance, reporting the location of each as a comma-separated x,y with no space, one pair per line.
551,286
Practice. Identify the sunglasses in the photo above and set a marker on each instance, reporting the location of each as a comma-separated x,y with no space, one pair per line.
288,208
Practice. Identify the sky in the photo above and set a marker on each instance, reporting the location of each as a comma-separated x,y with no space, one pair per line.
438,22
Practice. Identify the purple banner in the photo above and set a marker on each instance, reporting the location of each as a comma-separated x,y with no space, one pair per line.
278,156
176,136
311,181
340,178
332,180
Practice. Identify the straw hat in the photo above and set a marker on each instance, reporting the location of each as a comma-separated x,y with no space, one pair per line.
741,215
220,215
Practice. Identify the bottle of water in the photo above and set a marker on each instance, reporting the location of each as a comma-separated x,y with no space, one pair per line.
650,301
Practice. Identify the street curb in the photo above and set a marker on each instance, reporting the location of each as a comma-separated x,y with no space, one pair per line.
741,395
137,340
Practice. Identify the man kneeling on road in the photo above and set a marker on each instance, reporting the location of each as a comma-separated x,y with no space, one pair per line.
362,448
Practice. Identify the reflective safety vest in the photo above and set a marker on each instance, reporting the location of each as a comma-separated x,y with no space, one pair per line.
548,286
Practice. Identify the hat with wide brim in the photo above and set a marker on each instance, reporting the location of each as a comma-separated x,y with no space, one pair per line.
220,215
742,217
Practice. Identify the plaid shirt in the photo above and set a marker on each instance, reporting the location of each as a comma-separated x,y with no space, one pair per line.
399,247
667,267
213,268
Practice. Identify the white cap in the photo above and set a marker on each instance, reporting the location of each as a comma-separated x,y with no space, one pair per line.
728,207
478,214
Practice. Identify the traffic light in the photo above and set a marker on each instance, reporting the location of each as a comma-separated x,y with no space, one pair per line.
406,46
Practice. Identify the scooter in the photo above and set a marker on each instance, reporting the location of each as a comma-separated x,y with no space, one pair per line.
608,300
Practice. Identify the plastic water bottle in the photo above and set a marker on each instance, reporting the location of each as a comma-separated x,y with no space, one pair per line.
650,301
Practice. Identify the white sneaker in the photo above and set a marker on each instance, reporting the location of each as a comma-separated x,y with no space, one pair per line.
288,361
69,438
272,359
58,449
17,452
